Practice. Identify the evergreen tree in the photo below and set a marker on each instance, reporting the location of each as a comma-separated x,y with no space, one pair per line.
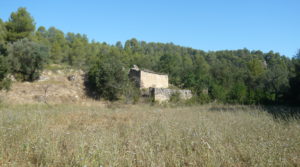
3,34
294,92
20,25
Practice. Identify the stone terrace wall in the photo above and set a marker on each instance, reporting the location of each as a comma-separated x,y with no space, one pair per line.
149,79
162,94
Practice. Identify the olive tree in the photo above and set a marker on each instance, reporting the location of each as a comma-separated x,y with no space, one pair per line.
27,59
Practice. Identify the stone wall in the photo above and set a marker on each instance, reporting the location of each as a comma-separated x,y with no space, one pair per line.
154,80
163,94
155,85
145,79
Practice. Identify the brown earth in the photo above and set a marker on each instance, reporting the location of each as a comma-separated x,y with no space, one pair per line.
53,87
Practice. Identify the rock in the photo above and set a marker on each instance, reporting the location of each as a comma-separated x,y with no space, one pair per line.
11,77
43,78
135,67
71,77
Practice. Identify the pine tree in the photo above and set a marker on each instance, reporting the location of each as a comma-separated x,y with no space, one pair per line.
20,25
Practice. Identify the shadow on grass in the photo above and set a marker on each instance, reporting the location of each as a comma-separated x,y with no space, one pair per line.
277,111
89,89
283,112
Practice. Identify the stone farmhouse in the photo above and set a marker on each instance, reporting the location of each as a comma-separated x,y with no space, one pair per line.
155,84
145,79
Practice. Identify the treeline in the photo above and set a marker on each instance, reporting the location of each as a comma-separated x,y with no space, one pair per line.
229,76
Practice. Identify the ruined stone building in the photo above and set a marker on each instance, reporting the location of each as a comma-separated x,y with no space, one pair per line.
163,94
145,79
155,84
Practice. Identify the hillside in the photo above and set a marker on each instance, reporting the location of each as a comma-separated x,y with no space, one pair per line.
239,76
53,87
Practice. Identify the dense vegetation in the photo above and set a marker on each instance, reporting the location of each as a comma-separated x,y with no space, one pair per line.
229,76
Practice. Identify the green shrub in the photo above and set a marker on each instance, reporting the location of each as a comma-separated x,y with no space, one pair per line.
130,92
27,59
175,97
218,92
4,70
238,93
107,78
203,98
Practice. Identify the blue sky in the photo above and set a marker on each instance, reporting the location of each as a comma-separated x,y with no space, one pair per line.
208,25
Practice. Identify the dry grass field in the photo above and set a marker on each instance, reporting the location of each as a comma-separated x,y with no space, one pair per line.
144,135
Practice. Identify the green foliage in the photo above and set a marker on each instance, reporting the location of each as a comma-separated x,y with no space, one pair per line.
119,45
2,32
238,93
3,35
130,92
294,81
4,70
170,64
77,53
256,69
230,76
107,77
59,46
20,25
27,58
277,80
175,97
131,45
256,96
198,99
196,76
203,98
218,92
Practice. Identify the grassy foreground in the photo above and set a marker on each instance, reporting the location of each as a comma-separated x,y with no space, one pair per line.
72,135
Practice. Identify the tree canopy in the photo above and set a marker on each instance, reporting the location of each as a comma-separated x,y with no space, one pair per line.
20,25
27,59
228,76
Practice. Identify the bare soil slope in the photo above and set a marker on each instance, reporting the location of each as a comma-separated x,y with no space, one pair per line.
60,86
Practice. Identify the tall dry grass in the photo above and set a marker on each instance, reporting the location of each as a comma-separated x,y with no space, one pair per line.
73,135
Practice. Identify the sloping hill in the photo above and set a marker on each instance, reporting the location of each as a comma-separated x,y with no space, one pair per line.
54,86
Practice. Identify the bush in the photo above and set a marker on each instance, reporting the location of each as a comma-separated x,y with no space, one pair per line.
203,98
217,92
27,59
4,69
131,93
107,78
175,97
238,93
